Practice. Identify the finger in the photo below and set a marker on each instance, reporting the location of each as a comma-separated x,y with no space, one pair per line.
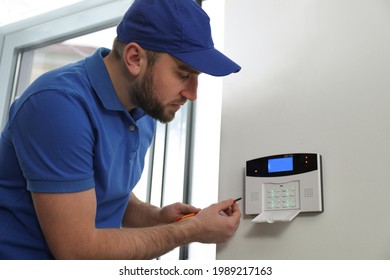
192,209
234,208
187,209
236,211
225,204
228,211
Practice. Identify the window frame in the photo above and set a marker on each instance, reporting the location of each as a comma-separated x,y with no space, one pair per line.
71,21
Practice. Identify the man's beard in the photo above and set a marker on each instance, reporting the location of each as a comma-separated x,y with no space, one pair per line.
143,94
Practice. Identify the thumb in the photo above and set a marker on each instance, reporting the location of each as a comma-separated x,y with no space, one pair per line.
225,204
185,208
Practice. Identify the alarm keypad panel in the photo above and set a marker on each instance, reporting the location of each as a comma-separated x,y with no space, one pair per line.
279,187
281,196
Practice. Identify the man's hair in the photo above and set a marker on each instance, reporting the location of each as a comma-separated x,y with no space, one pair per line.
119,46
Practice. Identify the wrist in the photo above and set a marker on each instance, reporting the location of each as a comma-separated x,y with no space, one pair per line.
192,229
155,216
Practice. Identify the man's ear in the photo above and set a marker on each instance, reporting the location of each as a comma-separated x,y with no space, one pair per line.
134,58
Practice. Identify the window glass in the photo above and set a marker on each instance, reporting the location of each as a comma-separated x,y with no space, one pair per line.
16,10
37,61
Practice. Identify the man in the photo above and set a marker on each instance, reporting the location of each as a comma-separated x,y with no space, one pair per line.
74,145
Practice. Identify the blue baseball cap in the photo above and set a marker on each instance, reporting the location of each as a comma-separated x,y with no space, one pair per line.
178,27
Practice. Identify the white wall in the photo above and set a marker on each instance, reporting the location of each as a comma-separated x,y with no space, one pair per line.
315,78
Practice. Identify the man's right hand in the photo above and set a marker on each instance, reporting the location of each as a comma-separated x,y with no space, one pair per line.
214,225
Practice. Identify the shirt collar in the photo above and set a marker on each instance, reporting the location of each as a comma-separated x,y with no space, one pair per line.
101,82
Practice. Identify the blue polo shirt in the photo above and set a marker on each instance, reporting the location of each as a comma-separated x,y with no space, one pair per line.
68,133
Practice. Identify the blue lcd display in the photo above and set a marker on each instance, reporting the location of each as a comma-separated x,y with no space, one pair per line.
280,164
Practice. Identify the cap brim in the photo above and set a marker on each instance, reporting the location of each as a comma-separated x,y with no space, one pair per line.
210,61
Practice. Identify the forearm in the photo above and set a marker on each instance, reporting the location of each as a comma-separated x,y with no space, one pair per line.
140,214
140,243
68,223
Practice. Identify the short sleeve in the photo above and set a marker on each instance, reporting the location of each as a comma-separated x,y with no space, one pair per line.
54,141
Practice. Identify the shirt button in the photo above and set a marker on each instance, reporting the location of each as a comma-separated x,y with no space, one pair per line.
132,128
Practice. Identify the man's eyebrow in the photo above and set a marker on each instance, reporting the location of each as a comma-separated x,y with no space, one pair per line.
184,67
189,69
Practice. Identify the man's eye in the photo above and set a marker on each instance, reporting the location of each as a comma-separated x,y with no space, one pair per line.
185,76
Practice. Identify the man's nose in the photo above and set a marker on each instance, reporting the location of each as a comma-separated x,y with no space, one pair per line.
190,91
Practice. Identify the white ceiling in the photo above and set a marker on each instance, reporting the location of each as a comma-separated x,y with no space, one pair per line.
15,10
